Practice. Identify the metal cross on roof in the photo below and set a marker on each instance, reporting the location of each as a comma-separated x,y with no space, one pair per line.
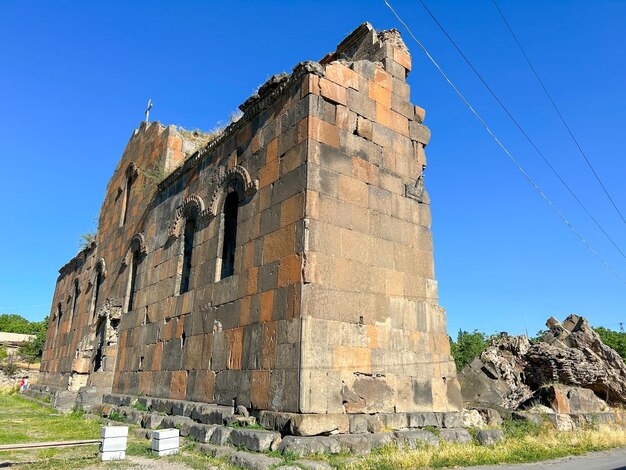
147,111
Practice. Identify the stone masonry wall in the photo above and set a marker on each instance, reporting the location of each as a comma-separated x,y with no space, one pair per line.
374,339
332,304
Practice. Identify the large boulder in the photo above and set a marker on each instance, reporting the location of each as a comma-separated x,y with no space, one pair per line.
573,354
495,379
512,371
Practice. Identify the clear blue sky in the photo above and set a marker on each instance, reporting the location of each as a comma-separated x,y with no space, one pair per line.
76,77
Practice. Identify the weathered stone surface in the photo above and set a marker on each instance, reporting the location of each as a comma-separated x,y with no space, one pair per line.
490,416
415,439
561,422
303,446
216,451
318,424
564,399
489,437
534,418
473,419
220,435
362,443
511,370
313,465
253,461
252,439
459,436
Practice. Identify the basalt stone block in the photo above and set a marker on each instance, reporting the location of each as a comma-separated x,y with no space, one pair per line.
220,435
216,451
363,443
489,437
414,439
421,419
458,436
303,446
254,440
253,461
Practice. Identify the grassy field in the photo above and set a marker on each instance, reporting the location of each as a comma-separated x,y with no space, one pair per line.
25,421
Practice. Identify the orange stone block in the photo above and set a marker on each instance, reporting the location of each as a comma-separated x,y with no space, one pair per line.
179,326
157,356
402,58
244,311
380,95
310,84
267,306
372,336
323,132
332,91
178,390
279,244
365,171
383,78
175,143
235,347
253,277
342,75
353,191
271,152
290,270
269,173
260,389
292,209
352,359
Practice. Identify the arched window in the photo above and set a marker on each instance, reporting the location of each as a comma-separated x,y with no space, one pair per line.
229,234
131,176
132,280
190,230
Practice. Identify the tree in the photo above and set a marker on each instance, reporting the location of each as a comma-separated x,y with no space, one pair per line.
467,347
12,323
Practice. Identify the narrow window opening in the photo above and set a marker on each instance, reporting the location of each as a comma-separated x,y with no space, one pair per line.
132,281
74,300
231,206
190,229
125,203
96,291
58,325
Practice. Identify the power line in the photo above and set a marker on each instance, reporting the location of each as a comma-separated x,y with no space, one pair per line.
518,125
504,149
569,131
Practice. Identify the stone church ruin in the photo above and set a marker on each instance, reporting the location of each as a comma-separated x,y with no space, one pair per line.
285,265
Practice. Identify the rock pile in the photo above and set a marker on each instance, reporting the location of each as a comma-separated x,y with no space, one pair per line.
571,370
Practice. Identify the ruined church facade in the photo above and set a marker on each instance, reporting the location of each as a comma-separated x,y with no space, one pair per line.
284,265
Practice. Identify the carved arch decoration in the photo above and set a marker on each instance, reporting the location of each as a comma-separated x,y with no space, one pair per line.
137,244
244,185
192,206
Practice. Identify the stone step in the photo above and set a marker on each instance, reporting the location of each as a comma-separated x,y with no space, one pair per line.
254,461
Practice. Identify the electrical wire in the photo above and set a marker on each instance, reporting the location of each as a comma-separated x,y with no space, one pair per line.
518,125
504,149
558,112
